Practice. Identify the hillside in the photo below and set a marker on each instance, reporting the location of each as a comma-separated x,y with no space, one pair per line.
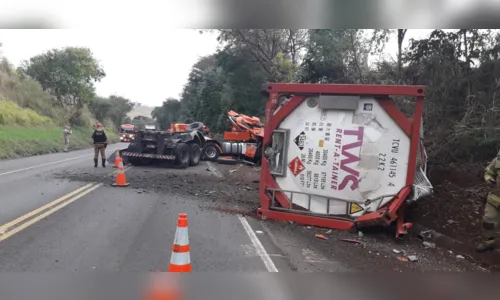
31,121
140,110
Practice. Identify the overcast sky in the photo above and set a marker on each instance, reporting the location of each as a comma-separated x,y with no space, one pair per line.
144,66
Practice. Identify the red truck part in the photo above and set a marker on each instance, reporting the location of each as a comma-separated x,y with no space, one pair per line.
342,156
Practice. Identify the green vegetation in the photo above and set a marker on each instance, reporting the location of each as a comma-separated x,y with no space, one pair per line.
460,69
49,91
24,141
12,114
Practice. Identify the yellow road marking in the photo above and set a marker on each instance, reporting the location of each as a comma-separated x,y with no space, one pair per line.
76,194
38,210
44,215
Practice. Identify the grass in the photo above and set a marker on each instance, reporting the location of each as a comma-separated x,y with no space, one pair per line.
22,141
31,121
13,114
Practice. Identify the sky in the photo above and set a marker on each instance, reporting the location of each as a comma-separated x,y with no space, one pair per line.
143,66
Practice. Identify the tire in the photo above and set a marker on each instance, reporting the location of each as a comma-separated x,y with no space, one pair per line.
194,158
211,152
182,155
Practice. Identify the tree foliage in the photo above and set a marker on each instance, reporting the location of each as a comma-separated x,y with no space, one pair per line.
167,114
114,109
68,73
460,69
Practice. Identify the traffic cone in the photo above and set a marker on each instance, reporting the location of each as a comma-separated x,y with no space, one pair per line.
117,159
180,260
164,287
121,180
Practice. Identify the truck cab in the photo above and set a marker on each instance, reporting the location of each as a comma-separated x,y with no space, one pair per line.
127,133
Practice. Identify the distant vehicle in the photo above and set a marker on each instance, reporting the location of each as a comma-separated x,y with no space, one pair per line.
127,133
150,127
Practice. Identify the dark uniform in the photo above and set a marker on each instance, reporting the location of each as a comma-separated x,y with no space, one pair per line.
100,144
491,217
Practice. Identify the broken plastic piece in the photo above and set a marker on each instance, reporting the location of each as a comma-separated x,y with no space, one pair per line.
320,236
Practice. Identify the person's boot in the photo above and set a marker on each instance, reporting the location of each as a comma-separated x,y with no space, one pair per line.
485,245
95,163
104,163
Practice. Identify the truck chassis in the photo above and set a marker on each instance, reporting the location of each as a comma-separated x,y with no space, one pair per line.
181,148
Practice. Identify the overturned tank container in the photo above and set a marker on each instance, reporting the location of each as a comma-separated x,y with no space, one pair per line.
342,156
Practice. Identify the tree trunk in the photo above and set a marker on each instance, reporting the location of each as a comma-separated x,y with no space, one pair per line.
467,62
401,37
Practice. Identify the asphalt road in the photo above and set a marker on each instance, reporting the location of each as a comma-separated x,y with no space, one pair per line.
50,223
59,213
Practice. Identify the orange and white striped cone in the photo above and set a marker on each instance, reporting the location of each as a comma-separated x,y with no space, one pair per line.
118,158
180,260
121,180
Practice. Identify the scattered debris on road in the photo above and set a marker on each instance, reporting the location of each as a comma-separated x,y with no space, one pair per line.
353,241
412,258
429,244
320,236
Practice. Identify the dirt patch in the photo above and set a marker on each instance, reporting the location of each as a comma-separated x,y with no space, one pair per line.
456,208
231,196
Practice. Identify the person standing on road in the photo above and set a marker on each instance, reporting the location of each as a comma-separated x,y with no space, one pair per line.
491,217
67,133
100,144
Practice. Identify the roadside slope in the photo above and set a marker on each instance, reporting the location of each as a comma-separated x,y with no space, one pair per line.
30,120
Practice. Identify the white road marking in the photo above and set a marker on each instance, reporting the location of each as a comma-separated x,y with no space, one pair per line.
212,168
47,164
261,251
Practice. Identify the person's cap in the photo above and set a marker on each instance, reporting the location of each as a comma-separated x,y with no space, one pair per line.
98,125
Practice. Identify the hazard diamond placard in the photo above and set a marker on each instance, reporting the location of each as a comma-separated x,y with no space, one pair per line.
355,208
296,166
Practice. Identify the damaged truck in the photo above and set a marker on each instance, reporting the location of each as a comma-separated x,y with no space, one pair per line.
342,156
150,146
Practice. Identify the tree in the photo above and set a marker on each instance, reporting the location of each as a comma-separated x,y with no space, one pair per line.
100,108
168,113
340,56
401,37
120,107
275,50
68,73
114,108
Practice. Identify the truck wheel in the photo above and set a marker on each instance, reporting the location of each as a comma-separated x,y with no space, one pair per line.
182,155
211,152
195,156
